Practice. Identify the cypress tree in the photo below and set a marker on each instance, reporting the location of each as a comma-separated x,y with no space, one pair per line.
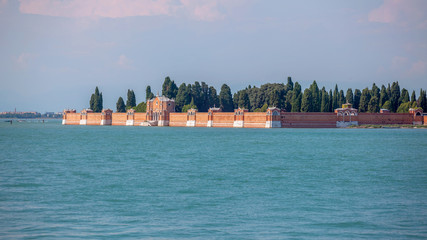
306,103
225,99
120,105
349,96
182,97
335,98
289,85
204,98
288,101
131,101
325,101
331,106
169,88
395,95
196,94
244,100
404,97
383,96
341,98
148,94
413,97
96,103
375,91
213,97
315,96
357,95
296,98
422,100
364,100
373,105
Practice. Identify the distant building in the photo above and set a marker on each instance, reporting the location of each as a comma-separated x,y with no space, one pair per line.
158,110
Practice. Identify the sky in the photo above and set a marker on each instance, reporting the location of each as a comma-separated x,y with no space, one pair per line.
53,53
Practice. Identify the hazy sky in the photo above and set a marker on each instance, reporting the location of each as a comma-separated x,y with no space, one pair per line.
54,52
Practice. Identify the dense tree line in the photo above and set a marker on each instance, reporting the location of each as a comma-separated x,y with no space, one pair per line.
289,97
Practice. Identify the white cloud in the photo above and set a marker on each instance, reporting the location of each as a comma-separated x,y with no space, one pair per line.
418,68
124,62
404,13
204,10
22,60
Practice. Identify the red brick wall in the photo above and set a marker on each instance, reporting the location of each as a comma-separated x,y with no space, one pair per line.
254,119
425,120
223,119
385,118
93,119
178,119
119,119
309,120
201,119
72,119
139,118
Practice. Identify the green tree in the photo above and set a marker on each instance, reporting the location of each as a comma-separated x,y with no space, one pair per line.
306,104
96,102
383,95
148,94
262,109
375,91
141,107
422,100
341,98
120,105
364,100
290,85
196,94
335,98
296,98
413,97
394,97
183,96
131,101
169,88
404,97
331,106
325,101
404,107
349,96
288,101
357,95
387,105
189,106
373,106
213,97
244,100
225,99
315,97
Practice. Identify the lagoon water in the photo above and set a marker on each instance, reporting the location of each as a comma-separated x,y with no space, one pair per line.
167,183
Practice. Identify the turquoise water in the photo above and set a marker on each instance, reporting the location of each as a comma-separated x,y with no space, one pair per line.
167,183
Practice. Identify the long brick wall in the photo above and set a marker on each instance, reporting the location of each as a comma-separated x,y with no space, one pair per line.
178,119
119,119
308,120
385,118
72,119
253,119
223,119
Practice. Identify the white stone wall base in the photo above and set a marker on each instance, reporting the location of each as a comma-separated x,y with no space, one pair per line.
417,123
238,124
273,124
191,123
347,124
163,123
83,122
210,123
129,122
64,121
106,122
